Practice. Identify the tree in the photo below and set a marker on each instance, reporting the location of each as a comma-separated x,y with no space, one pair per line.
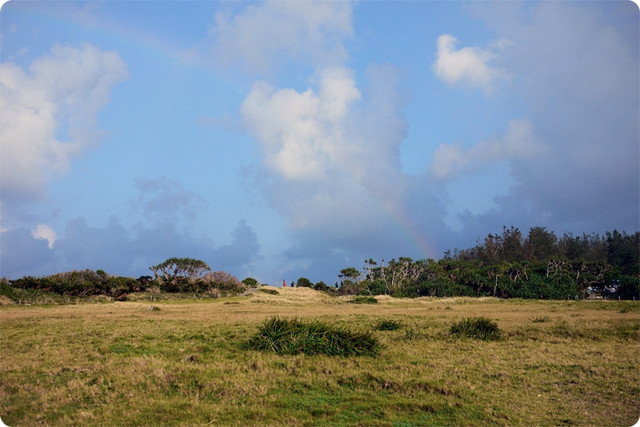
350,273
303,282
250,282
175,269
541,244
369,268
512,249
350,281
622,250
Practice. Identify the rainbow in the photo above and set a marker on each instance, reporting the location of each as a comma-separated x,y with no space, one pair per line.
67,14
411,233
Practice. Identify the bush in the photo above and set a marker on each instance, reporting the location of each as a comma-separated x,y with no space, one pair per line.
321,286
224,281
478,328
250,282
284,336
303,282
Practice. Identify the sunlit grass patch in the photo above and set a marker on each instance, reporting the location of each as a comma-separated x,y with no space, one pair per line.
292,336
187,364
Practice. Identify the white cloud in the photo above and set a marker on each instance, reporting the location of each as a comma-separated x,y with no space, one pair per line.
301,133
264,34
469,65
44,232
49,113
518,143
330,155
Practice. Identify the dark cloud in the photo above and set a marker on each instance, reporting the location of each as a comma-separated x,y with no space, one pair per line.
22,254
82,246
167,211
163,199
579,84
120,250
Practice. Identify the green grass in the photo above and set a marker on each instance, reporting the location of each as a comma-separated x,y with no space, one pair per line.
478,328
119,363
387,325
292,336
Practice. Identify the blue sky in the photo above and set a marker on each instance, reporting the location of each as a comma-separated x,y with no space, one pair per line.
282,139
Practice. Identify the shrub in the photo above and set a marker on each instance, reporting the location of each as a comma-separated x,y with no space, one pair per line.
303,282
387,325
269,291
284,336
224,281
479,328
250,282
321,286
364,300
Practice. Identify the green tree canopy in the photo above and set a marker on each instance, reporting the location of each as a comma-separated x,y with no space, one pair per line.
177,268
303,282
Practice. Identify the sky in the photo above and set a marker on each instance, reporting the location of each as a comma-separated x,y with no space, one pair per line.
287,139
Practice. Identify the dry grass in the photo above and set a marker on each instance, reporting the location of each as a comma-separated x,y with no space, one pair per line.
184,364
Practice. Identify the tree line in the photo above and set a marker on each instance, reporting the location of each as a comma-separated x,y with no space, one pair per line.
175,275
511,265
539,265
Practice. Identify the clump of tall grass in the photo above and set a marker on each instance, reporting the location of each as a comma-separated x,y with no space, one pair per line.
387,325
477,327
539,319
364,300
292,336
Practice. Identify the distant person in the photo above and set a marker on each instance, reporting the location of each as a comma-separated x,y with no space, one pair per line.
293,285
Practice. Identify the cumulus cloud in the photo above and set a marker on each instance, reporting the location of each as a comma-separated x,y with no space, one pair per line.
580,84
467,65
264,34
518,143
300,133
331,164
45,232
49,114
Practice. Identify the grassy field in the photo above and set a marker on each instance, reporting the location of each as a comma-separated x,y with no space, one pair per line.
185,362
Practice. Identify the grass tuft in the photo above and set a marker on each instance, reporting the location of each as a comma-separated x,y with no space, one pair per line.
539,319
478,328
292,336
364,300
387,325
411,334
